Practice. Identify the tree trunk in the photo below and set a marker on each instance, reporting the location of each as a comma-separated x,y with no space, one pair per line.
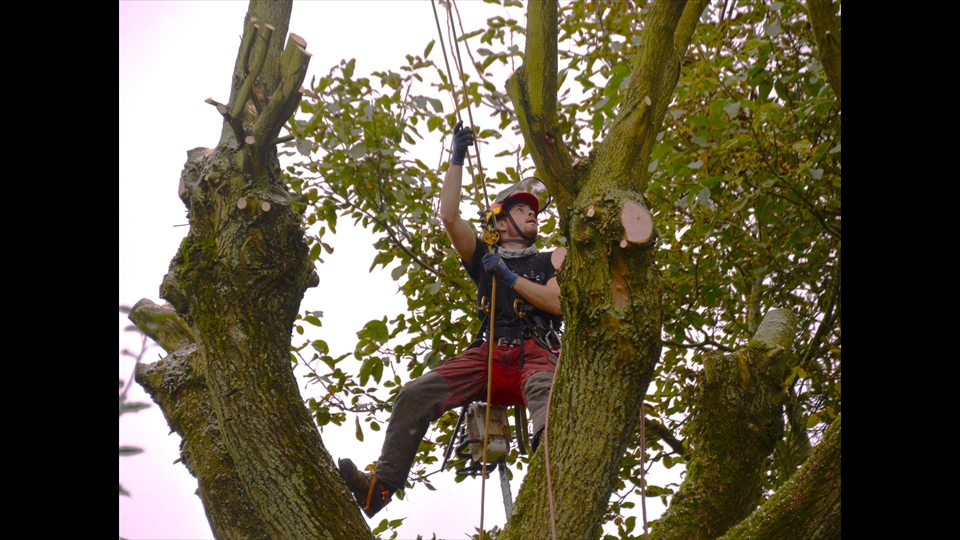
236,282
611,288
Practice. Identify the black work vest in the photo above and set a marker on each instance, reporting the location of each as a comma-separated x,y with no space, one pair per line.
537,268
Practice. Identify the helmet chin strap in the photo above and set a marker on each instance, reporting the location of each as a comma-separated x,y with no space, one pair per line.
529,240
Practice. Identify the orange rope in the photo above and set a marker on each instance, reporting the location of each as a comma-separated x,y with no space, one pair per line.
483,185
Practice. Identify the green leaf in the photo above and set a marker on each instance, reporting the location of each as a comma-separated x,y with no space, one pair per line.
813,420
304,146
375,330
359,431
377,370
130,450
703,198
732,109
772,29
655,491
437,104
358,150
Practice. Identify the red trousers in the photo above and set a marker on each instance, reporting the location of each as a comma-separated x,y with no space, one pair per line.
459,381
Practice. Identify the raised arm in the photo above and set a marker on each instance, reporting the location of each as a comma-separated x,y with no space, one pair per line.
461,235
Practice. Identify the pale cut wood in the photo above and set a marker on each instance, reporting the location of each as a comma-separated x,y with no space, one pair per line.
637,222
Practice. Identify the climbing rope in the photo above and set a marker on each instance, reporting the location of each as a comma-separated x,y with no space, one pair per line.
482,187
489,237
546,458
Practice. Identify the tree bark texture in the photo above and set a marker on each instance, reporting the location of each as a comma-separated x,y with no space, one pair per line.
611,288
181,394
807,507
823,19
236,282
736,424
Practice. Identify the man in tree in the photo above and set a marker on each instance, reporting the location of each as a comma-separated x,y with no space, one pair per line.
524,357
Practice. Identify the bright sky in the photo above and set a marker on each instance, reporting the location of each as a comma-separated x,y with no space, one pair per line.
173,55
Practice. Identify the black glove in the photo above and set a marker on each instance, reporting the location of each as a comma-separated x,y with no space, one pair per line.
494,265
462,138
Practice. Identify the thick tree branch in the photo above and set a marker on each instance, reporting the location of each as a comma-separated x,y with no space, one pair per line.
162,324
238,279
283,103
625,152
533,91
807,506
264,34
825,30
174,386
737,421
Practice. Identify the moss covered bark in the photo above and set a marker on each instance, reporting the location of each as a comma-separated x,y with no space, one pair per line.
807,507
236,282
181,394
611,288
825,30
735,426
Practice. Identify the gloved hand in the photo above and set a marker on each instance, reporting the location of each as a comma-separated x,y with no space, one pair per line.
462,138
494,265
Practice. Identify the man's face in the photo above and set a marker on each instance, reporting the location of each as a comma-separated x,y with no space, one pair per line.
524,217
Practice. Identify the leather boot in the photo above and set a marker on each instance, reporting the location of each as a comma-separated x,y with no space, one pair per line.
371,494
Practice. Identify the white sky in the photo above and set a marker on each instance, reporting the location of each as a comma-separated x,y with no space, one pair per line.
173,55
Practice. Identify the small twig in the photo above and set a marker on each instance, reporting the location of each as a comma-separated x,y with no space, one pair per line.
284,139
702,344
233,122
143,350
664,434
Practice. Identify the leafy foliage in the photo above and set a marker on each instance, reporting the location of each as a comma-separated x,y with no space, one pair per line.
745,188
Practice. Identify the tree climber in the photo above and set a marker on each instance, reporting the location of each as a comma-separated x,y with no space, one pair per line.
524,357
